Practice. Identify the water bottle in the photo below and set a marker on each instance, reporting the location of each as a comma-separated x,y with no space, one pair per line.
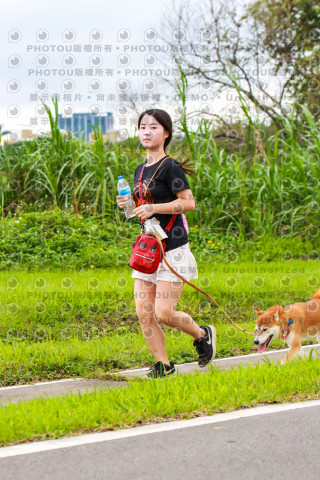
124,189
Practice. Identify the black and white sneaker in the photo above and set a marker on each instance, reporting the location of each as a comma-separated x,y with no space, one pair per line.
206,346
161,370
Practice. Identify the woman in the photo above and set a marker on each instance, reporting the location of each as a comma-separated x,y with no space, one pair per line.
158,293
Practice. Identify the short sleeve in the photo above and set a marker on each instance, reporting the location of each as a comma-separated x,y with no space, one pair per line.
176,178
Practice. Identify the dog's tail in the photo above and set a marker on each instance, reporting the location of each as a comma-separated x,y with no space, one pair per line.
316,294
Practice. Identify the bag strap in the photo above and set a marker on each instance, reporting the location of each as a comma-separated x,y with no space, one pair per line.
140,181
141,197
171,222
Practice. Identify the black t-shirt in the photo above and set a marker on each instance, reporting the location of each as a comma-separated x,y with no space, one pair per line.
169,179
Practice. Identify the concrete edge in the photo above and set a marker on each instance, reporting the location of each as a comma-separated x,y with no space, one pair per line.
224,363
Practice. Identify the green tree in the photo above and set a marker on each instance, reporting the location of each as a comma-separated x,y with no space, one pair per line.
265,52
290,32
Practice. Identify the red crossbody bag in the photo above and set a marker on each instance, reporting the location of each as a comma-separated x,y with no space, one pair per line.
147,254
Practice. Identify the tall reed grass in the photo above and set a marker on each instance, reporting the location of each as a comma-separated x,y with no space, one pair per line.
267,185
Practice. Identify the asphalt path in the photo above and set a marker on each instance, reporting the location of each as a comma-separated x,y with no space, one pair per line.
272,442
19,393
278,442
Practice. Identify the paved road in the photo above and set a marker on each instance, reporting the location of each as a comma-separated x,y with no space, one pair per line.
18,393
278,445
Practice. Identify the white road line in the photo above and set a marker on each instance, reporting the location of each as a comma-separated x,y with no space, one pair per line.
41,383
67,442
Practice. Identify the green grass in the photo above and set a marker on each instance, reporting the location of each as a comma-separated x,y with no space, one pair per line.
55,240
267,181
29,362
58,324
66,296
177,397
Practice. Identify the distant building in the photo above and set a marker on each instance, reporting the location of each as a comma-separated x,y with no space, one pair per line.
27,135
80,124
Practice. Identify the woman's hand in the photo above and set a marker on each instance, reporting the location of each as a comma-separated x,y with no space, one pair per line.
122,201
145,211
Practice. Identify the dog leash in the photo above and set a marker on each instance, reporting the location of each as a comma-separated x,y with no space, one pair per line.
201,291
161,246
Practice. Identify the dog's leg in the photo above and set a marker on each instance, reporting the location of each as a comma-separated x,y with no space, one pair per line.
295,348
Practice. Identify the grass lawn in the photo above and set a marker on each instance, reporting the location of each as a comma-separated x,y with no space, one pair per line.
83,323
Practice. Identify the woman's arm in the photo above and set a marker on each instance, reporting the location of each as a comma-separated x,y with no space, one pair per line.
183,203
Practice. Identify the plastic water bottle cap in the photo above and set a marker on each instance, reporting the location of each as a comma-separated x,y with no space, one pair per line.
120,177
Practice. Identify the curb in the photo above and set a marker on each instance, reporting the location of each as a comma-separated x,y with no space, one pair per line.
230,362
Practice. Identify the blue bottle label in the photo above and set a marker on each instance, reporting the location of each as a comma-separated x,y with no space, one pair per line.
125,191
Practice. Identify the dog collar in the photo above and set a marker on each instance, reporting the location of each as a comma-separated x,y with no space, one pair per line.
290,322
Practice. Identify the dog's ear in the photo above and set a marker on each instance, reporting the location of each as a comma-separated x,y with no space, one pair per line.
258,310
278,311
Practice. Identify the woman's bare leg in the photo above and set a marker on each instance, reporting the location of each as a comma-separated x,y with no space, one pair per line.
166,298
144,294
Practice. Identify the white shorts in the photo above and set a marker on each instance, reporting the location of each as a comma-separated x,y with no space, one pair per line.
182,261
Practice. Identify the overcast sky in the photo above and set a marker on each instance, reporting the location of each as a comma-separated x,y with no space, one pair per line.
91,54
36,35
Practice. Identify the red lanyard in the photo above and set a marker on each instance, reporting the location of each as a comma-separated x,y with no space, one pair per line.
140,193
140,186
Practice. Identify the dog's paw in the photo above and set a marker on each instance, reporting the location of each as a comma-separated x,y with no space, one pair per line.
284,360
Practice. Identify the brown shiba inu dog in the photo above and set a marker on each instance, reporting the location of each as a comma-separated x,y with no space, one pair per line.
292,324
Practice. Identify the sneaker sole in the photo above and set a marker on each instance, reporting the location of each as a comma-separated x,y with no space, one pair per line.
167,374
213,340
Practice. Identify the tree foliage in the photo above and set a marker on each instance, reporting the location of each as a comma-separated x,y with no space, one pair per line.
265,52
291,36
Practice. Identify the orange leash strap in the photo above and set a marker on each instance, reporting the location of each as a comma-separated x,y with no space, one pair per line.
199,290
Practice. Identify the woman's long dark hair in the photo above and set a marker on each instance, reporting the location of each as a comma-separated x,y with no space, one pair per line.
165,120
